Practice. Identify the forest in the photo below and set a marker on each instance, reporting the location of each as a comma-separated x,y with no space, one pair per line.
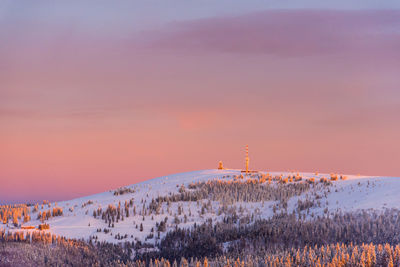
349,239
231,238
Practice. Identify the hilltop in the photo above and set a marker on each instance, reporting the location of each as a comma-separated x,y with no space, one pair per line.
207,212
352,194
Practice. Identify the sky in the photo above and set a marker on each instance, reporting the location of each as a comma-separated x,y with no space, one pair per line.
95,95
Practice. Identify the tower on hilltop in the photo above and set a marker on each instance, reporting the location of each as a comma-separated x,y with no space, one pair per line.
247,159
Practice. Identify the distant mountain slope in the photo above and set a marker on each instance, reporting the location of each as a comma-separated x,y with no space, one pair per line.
146,211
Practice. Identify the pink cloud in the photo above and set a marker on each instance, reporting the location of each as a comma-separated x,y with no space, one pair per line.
285,33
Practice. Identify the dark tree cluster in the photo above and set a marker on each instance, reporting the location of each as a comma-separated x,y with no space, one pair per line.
114,214
349,239
331,255
124,190
230,192
87,203
102,254
45,215
280,233
44,249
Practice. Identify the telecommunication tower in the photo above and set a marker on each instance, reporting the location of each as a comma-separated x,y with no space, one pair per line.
247,159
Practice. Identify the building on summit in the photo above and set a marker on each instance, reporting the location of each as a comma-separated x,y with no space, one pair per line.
220,166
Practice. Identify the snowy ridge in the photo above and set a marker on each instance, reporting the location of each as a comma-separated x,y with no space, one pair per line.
354,193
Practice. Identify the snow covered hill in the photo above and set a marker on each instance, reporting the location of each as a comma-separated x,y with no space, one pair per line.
147,211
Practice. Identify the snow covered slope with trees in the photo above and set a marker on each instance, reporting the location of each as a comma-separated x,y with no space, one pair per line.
147,211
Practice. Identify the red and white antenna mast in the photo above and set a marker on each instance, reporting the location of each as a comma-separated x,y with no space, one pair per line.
247,159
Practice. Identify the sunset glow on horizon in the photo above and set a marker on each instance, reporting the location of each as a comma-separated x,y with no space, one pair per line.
93,103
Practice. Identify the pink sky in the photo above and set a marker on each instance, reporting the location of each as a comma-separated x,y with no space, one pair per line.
87,109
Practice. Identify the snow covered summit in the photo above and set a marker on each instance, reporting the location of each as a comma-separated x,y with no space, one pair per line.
146,211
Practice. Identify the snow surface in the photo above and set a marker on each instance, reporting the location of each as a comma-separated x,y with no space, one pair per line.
354,193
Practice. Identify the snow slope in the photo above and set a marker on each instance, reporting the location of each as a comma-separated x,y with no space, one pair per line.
354,193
